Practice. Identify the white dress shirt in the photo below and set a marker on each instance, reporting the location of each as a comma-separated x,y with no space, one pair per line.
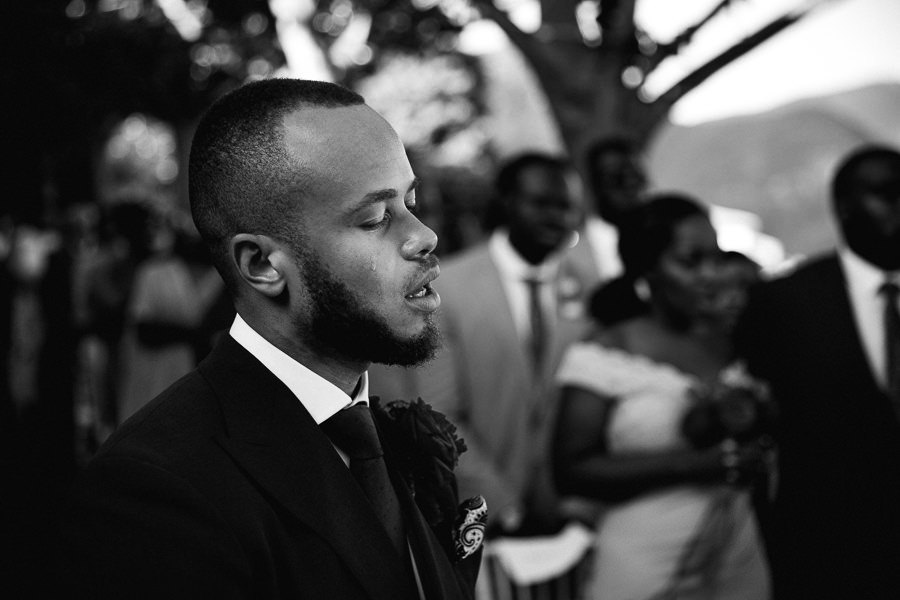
863,283
319,397
514,271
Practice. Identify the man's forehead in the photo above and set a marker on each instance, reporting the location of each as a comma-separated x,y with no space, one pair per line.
880,170
342,152
309,125
333,138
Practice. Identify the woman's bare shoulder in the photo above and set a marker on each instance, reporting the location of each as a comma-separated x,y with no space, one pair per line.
619,336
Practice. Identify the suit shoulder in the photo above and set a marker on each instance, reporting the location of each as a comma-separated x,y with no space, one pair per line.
473,254
177,417
802,271
466,263
783,298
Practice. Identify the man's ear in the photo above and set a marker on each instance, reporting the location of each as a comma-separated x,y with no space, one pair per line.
260,261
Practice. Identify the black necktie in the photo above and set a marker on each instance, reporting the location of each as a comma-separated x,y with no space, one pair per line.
353,431
892,340
536,316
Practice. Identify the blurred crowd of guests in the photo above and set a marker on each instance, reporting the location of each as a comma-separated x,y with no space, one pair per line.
728,430
100,311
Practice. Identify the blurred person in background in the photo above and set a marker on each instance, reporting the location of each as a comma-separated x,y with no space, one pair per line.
826,338
124,242
617,184
738,273
26,492
619,179
510,305
633,428
616,177
39,461
173,292
27,266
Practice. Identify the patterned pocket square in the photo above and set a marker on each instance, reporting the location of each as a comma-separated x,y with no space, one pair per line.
468,531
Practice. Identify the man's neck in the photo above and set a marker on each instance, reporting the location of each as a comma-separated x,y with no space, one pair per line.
531,253
342,374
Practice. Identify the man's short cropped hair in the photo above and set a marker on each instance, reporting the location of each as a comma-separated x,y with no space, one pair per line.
240,175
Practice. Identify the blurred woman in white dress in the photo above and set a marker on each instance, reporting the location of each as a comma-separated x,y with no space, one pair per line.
641,427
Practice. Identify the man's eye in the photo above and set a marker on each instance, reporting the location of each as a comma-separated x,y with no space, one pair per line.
688,261
378,221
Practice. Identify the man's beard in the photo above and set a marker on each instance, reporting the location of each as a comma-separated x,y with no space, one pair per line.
341,324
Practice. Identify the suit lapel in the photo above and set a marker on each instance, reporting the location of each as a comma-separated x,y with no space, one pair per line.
440,579
436,572
274,439
851,355
494,306
572,285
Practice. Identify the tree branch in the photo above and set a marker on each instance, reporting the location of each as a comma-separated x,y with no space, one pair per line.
664,102
526,43
559,12
684,38
617,23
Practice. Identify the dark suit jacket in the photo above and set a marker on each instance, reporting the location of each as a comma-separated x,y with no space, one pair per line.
224,487
835,529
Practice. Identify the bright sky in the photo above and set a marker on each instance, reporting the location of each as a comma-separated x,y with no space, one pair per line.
842,45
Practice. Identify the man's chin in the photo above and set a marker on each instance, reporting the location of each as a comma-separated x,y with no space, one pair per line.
410,352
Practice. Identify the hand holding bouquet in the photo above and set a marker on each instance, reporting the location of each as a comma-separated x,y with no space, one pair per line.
736,413
734,406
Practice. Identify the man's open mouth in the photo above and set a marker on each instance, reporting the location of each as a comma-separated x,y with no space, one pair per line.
423,291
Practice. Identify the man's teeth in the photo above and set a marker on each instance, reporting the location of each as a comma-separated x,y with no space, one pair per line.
420,294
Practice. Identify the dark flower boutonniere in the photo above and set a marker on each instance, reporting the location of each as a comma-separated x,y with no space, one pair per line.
424,446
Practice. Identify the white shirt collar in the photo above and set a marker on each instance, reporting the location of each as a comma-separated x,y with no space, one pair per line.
862,275
511,264
319,397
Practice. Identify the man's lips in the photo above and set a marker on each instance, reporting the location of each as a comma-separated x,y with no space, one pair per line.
423,287
423,296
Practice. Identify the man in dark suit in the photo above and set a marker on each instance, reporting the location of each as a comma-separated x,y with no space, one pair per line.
819,337
227,485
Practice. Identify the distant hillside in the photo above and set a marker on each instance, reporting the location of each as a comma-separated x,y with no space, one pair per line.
778,164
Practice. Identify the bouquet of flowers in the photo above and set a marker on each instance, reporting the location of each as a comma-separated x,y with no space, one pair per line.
735,407
425,447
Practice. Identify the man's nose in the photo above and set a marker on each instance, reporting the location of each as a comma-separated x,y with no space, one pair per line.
421,241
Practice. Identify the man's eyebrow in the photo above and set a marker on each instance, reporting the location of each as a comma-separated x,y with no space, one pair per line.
383,195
